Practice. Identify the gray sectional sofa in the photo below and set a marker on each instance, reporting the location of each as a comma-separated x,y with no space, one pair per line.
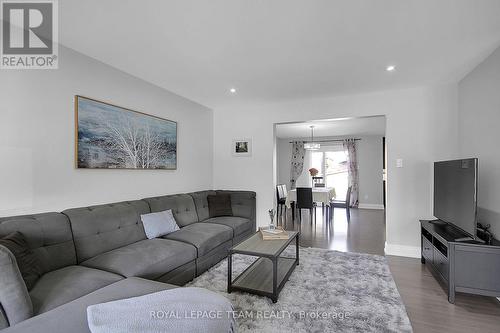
100,253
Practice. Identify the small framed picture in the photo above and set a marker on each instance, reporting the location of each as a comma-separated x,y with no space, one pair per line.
242,147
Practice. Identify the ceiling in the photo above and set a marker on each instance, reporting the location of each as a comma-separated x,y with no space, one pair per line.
275,50
337,127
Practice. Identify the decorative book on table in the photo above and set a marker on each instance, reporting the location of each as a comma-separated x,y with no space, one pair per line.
277,233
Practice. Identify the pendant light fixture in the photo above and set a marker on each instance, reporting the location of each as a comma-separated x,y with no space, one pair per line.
312,145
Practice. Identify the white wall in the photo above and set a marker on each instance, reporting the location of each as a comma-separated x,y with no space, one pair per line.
479,115
37,138
370,166
422,127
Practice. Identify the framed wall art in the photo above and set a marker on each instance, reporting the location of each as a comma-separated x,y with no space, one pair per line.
114,137
242,147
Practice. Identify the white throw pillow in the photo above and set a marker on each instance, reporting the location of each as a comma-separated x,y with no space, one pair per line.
159,224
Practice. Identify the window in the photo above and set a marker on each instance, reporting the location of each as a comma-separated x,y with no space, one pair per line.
331,163
317,162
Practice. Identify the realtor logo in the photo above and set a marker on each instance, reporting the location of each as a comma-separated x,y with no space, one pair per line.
29,34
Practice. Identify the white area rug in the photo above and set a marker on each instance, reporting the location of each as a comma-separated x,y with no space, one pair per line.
329,291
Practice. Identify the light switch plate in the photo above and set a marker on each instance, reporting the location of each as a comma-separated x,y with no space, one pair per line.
399,163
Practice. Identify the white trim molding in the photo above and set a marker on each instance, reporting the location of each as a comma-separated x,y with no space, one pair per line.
371,206
402,250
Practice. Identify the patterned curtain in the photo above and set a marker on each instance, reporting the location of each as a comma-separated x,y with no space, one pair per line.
298,153
352,167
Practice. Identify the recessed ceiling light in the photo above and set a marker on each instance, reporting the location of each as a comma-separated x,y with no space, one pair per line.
232,90
390,68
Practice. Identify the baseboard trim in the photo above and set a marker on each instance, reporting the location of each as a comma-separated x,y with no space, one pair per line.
402,250
371,206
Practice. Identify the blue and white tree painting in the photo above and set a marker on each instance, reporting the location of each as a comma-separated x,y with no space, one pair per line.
111,137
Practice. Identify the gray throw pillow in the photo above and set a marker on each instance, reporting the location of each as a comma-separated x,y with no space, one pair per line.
219,205
14,296
25,257
159,224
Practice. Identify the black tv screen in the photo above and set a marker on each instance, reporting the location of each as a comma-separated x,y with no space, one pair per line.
455,193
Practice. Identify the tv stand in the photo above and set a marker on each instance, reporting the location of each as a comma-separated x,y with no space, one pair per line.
453,231
438,222
464,239
461,263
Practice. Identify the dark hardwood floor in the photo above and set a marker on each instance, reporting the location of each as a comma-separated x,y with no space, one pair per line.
425,299
365,233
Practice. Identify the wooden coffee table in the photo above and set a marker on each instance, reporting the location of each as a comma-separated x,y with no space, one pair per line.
267,275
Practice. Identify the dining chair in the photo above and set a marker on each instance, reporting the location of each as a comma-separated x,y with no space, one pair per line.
281,195
318,181
343,204
305,201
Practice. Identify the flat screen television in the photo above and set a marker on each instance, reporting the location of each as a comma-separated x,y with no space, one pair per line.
455,193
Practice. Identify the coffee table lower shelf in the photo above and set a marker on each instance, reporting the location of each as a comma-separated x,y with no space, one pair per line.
258,277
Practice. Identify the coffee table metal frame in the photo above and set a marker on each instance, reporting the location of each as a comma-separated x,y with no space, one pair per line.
252,279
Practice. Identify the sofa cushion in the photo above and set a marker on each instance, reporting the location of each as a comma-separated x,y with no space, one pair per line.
67,284
48,235
182,205
14,296
239,225
242,203
72,317
25,257
205,236
99,229
219,205
201,203
148,259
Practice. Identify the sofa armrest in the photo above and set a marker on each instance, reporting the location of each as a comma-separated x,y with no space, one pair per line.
243,204
4,323
14,296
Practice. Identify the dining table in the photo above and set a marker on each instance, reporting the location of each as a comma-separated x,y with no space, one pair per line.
320,194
